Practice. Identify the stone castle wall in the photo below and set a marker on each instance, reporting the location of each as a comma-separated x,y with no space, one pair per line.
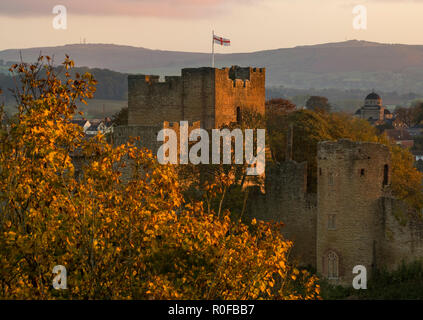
285,200
403,235
350,218
209,95
147,135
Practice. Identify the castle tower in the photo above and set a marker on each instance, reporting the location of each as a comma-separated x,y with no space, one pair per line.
352,177
210,95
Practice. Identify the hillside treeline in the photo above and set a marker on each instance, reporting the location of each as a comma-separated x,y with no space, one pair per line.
112,85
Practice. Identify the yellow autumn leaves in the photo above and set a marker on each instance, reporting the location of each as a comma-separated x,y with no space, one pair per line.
120,236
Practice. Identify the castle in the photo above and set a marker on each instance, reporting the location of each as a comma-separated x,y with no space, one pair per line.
209,95
351,220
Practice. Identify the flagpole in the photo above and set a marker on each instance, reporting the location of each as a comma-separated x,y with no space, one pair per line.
213,49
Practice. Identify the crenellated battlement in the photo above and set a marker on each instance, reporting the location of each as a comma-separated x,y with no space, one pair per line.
142,77
240,76
176,125
240,83
140,80
346,149
212,96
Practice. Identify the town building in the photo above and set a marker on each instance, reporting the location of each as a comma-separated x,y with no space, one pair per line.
374,111
401,137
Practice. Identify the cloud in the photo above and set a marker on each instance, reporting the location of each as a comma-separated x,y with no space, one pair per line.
147,8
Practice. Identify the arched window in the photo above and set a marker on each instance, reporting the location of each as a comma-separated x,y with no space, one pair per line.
238,115
333,265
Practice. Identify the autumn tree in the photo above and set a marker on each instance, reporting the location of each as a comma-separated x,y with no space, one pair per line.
120,118
417,112
410,116
224,187
405,115
122,228
318,103
279,106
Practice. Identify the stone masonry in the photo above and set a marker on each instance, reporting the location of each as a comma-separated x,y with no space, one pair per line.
285,200
351,181
209,95
352,220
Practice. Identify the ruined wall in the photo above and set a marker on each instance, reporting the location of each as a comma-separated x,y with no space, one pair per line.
352,217
403,234
147,135
352,177
285,200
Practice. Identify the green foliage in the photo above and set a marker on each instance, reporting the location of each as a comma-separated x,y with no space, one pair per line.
404,283
309,128
318,103
406,179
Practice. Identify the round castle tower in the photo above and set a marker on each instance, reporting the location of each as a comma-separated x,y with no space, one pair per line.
352,177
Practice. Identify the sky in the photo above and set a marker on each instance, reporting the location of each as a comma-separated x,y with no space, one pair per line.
186,25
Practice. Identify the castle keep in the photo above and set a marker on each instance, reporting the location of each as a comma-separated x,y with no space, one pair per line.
351,220
205,97
209,95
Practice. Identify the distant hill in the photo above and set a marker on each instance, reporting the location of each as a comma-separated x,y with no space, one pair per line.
344,65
